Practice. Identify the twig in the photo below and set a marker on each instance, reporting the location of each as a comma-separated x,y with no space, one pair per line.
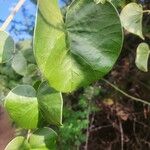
12,14
127,95
134,133
146,11
121,135
99,128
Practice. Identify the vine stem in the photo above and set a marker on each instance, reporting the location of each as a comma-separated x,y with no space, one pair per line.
146,11
12,14
126,94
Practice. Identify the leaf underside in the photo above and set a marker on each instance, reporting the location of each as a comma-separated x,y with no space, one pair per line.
131,18
142,56
7,47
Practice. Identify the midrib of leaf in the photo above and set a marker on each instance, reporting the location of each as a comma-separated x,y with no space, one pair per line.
71,54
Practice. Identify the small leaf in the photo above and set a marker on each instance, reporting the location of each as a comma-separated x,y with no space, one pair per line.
51,103
142,56
19,64
43,139
22,105
131,18
27,108
19,143
7,47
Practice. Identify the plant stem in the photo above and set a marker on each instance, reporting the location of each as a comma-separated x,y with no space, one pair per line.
146,11
28,134
124,93
12,14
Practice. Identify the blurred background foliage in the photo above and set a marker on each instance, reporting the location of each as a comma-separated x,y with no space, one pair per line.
92,116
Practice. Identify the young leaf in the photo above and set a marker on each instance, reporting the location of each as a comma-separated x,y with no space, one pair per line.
142,56
7,47
19,143
27,108
50,103
43,139
19,64
131,18
81,50
22,105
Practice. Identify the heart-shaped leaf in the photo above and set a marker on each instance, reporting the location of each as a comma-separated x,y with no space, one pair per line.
131,18
7,47
142,56
41,139
18,143
82,49
26,108
22,106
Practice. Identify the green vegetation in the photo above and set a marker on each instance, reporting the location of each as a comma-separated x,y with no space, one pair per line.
53,83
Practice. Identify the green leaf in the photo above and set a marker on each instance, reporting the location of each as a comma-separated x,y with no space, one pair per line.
22,105
19,64
43,139
142,56
7,47
52,16
51,104
27,108
131,18
81,50
19,143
